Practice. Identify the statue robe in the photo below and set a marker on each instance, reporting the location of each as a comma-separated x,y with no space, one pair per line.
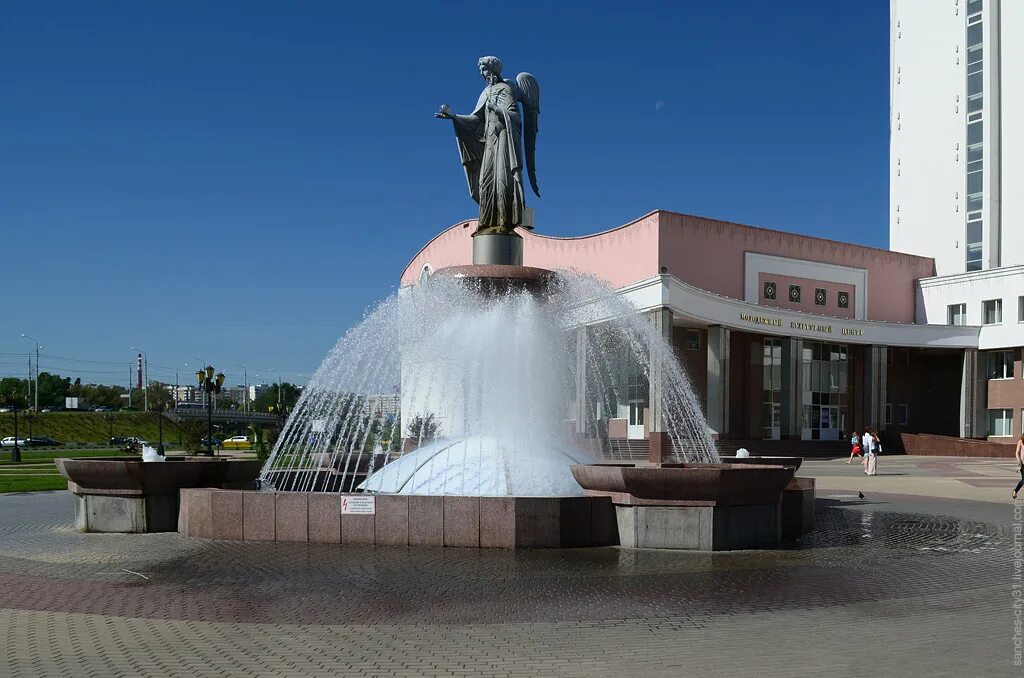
489,145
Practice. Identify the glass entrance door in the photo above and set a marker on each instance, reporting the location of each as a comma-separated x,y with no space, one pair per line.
824,395
635,427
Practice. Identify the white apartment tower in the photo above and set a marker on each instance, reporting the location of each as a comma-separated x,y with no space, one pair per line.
956,174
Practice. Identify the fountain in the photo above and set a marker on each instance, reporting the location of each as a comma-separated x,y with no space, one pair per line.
507,378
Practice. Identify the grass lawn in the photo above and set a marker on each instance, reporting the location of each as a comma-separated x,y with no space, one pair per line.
80,427
33,483
49,455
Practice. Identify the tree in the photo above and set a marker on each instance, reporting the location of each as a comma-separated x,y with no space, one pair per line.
423,428
269,398
13,392
53,389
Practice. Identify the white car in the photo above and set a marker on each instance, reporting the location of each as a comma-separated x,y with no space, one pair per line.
237,443
9,441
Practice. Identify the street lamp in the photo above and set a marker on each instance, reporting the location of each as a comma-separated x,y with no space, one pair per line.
210,384
16,452
25,336
245,385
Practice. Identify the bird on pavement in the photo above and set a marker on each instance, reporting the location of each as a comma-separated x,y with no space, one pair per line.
860,495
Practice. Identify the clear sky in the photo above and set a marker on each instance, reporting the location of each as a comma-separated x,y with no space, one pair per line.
238,182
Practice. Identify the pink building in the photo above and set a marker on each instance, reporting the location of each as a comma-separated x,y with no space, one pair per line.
784,336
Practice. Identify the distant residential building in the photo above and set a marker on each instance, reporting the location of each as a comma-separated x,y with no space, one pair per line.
385,406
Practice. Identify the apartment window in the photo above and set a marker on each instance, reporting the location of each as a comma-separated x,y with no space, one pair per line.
1000,422
692,340
957,314
1020,309
1000,364
992,312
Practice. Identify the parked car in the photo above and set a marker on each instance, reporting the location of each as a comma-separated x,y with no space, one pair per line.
6,409
237,443
53,408
103,408
118,440
43,441
9,441
215,442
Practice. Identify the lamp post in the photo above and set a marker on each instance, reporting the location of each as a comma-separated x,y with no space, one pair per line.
25,336
245,385
160,427
16,452
110,427
210,383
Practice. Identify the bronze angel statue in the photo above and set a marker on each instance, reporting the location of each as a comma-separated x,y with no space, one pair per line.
491,141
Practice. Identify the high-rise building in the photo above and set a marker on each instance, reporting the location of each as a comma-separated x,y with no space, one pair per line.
956,154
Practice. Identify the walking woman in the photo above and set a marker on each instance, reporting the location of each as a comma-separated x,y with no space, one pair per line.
855,450
1019,454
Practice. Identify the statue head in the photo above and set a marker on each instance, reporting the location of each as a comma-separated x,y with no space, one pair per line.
490,68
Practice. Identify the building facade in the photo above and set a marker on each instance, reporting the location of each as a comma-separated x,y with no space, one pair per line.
783,336
956,151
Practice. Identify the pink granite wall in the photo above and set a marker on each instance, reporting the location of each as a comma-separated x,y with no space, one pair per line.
709,254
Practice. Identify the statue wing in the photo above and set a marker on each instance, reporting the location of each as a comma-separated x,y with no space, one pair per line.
528,94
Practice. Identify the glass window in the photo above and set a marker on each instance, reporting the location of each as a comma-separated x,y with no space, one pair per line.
974,229
974,86
974,34
974,54
1000,364
992,312
973,7
974,182
692,340
1020,309
888,413
1000,422
974,105
974,133
901,414
957,314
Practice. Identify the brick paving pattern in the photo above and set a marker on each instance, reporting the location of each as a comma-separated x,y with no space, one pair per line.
892,585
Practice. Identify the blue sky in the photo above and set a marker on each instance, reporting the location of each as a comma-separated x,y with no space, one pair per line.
240,181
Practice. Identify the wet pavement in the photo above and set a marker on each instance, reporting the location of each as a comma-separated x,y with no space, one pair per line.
902,571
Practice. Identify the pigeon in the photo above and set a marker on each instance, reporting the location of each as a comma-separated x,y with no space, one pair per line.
860,495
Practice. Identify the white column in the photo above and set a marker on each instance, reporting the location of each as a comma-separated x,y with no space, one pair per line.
662,321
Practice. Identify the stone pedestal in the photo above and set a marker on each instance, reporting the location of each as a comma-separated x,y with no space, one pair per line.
701,528
798,508
498,248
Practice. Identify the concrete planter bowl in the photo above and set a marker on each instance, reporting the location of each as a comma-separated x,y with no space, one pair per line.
795,462
703,507
686,484
131,473
126,494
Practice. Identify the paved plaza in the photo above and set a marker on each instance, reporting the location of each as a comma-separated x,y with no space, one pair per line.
916,578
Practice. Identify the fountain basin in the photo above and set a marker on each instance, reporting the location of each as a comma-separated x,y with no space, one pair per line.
501,278
795,462
685,484
705,507
126,494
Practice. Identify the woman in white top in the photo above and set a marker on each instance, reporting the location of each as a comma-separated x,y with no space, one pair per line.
872,448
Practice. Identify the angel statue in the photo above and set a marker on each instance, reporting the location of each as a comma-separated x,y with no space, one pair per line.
490,143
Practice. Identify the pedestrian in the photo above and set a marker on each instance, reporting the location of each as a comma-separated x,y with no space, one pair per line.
855,448
1019,454
874,446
